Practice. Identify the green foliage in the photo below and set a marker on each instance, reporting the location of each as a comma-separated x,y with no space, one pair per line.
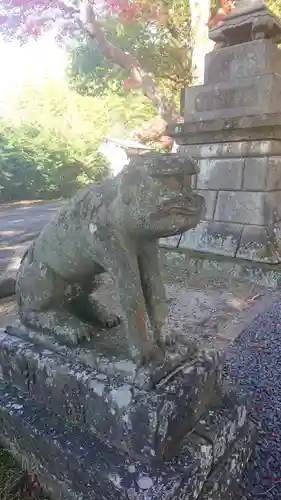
37,165
49,139
275,6
50,135
163,48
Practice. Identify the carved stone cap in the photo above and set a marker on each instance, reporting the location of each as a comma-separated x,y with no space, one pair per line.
250,20
246,6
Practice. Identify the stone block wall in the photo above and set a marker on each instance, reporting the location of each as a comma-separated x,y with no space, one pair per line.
241,183
232,125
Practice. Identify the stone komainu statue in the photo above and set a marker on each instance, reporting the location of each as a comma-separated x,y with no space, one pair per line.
113,227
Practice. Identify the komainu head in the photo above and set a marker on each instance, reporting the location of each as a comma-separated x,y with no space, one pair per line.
155,198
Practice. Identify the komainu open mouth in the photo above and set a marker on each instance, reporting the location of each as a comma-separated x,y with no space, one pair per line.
188,206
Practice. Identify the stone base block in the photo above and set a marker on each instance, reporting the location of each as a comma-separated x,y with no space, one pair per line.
250,242
235,98
263,128
208,268
248,207
139,419
253,175
239,149
72,463
249,59
213,237
259,243
222,423
241,184
225,479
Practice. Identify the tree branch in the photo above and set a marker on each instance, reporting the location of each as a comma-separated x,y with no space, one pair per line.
87,21
125,61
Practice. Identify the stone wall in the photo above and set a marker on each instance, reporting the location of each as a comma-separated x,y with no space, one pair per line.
241,183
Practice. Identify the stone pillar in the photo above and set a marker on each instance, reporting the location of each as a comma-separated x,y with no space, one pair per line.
232,125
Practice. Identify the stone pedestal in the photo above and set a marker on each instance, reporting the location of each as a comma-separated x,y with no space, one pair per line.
233,127
117,433
250,20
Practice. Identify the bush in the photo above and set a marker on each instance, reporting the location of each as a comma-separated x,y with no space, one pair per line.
49,138
33,166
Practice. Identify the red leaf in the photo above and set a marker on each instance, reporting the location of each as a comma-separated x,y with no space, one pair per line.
129,83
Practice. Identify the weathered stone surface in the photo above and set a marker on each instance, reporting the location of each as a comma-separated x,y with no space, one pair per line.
223,482
237,149
171,241
249,59
110,227
194,300
213,237
210,201
257,244
238,97
245,207
229,269
137,421
7,285
115,363
9,270
262,174
221,424
227,129
245,6
250,20
221,174
255,174
194,181
71,463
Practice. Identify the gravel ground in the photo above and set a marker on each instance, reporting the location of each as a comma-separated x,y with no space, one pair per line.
254,362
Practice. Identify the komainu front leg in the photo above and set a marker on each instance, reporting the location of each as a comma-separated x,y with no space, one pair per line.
153,289
156,300
134,312
40,294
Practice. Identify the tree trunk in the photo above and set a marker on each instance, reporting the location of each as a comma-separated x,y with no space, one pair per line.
200,11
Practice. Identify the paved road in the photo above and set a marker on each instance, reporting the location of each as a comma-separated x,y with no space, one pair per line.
22,223
18,223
